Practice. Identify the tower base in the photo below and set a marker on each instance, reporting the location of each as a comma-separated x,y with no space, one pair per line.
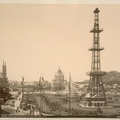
97,100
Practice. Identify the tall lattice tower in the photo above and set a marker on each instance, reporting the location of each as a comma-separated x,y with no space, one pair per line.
96,93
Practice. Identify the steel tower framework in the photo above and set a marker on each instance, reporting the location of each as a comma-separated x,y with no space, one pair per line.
96,87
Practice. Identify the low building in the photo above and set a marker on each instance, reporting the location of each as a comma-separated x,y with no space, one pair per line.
26,88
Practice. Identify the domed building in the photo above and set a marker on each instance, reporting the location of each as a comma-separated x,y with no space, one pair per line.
58,83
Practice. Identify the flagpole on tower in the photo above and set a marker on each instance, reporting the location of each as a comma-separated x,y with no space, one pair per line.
42,91
22,83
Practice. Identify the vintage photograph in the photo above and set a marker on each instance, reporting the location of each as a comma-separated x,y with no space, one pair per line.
59,60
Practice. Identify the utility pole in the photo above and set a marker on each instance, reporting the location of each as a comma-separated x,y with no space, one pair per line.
69,94
43,92
40,96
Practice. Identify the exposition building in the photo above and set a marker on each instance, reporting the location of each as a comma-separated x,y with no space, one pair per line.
58,83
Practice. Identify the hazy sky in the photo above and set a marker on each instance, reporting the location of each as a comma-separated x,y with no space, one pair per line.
37,39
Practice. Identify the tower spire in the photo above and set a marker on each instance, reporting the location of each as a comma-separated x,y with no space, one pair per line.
4,70
3,62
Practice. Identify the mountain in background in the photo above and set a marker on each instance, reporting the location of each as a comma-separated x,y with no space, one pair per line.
112,77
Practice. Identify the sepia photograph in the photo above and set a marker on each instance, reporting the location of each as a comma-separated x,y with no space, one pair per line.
59,59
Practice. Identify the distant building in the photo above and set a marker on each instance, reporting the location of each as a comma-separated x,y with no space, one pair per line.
27,88
85,88
115,88
59,82
47,85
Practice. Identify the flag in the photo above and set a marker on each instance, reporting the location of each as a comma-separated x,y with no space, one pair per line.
75,87
22,83
41,82
72,86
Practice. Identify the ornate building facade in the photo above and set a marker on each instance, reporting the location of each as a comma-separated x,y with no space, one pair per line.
59,82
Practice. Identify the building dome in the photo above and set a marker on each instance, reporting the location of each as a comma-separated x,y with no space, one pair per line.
59,82
59,72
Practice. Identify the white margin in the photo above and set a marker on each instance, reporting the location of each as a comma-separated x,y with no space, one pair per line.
59,1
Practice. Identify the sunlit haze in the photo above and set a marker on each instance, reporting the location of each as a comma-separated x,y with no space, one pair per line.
36,39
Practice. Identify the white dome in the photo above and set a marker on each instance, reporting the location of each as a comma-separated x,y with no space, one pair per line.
59,73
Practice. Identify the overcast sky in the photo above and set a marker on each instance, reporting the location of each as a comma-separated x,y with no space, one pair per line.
36,39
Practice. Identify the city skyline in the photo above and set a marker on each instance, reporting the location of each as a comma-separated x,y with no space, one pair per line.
37,39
